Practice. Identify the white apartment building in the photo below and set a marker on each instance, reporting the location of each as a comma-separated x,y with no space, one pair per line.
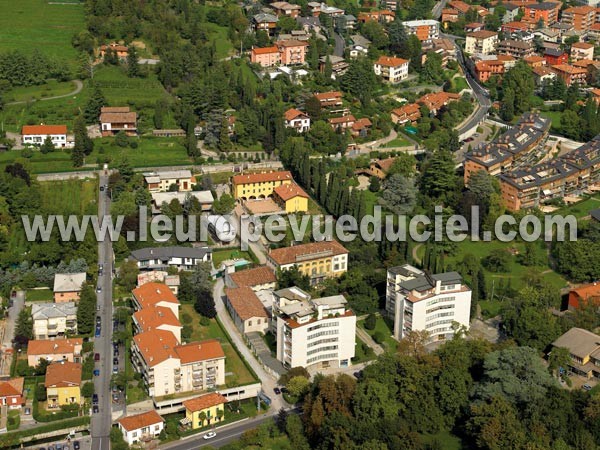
483,42
313,332
391,69
54,319
418,301
37,134
425,30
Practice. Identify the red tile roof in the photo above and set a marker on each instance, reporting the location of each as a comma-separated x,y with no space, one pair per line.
63,374
391,61
43,129
343,119
245,303
150,294
262,177
55,347
293,113
328,95
361,124
156,346
586,293
291,255
152,317
265,50
482,34
200,351
288,191
143,420
253,277
204,402
12,387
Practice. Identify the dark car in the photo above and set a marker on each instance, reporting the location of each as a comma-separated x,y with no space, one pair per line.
76,445
277,391
95,399
115,398
96,372
115,361
95,409
96,356
98,319
97,334
101,188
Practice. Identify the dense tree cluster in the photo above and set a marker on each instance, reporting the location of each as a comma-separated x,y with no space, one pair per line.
19,69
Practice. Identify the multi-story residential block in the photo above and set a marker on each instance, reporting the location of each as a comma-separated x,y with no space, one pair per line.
483,42
498,156
443,47
162,181
313,331
407,114
332,11
339,66
582,50
285,9
296,119
515,27
555,56
584,349
391,69
581,17
417,301
535,61
516,48
259,185
511,11
67,286
63,383
425,30
114,119
485,69
205,410
157,318
546,12
265,22
37,135
265,56
159,276
318,260
54,350
155,295
570,74
11,393
592,67
246,310
543,74
449,15
292,51
161,258
170,368
141,427
54,319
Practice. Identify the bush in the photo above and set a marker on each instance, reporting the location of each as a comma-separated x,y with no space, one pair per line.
370,322
40,393
133,144
186,318
87,389
204,321
121,139
379,337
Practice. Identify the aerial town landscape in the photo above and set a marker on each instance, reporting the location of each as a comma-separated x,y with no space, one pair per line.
299,138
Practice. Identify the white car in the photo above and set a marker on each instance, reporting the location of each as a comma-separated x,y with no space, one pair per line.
209,435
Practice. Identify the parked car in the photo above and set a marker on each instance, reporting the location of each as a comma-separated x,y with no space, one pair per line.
115,361
96,356
115,398
98,289
277,391
115,370
587,387
101,188
95,409
95,399
59,446
210,435
96,372
27,411
76,445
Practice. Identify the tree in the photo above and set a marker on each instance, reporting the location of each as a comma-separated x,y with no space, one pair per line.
47,146
519,79
498,260
404,164
83,144
507,109
400,193
40,392
41,367
128,273
92,109
224,204
297,386
375,32
432,69
86,310
87,390
398,38
23,328
439,179
558,362
370,322
292,277
570,124
196,288
374,184
121,139
360,80
133,67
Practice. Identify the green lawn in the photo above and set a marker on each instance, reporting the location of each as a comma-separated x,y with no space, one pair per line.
218,35
458,84
582,208
362,352
50,89
70,197
151,151
120,90
237,373
386,329
36,24
14,419
222,255
554,116
398,142
39,295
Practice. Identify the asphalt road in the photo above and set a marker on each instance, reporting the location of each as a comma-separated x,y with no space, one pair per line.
102,421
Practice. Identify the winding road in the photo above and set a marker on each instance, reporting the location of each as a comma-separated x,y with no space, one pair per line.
78,88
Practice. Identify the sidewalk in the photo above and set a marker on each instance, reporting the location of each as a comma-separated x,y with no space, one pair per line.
367,339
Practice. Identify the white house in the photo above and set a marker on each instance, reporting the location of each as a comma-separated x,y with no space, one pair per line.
183,258
141,427
37,134
296,119
313,332
418,301
482,41
391,69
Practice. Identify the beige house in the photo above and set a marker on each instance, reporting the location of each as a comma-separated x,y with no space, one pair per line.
54,319
55,350
483,42
67,286
584,349
246,309
162,181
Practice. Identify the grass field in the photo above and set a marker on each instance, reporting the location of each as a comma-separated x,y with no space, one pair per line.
151,151
119,89
554,116
383,326
398,142
70,197
36,24
582,208
39,295
50,89
236,371
222,255
218,35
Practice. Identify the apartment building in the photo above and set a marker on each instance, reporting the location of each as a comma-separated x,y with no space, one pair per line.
162,181
157,318
570,74
51,320
580,17
483,42
67,286
37,135
391,69
498,156
435,303
292,51
581,51
485,69
516,48
265,22
555,56
54,350
161,258
155,295
170,368
318,260
285,9
313,332
114,119
546,12
584,350
265,56
425,30
259,185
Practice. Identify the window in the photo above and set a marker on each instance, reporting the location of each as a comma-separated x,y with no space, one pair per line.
249,323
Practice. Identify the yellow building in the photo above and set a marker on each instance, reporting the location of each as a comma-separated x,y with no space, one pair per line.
318,260
205,410
259,185
291,198
63,382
